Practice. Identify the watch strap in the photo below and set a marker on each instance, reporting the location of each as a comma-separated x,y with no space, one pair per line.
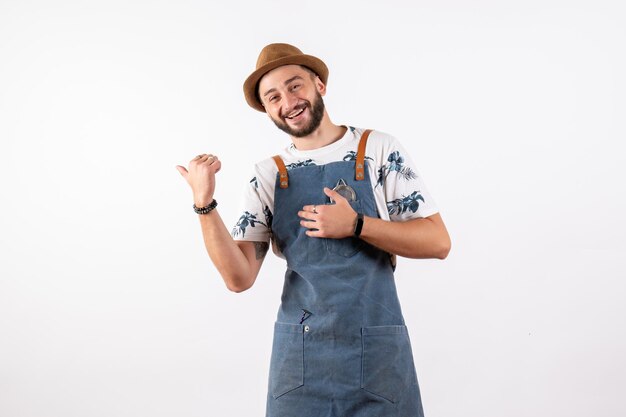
359,225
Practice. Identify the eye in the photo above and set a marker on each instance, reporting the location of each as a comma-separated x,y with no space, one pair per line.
295,87
273,99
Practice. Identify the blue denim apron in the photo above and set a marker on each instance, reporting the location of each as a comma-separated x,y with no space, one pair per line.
340,346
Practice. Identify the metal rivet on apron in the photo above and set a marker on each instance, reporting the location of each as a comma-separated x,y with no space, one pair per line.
306,328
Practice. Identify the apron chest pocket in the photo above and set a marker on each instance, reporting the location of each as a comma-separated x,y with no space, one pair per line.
287,364
387,361
348,246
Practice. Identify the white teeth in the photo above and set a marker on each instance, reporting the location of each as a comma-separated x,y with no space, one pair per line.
294,114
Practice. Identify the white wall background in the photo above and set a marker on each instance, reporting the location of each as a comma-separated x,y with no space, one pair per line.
514,112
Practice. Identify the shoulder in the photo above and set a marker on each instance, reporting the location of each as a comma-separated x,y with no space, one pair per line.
263,174
376,138
266,166
379,144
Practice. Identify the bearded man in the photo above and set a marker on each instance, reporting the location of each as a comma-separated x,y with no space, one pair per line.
338,205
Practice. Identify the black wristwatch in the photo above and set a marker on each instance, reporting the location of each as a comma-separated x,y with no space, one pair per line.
359,224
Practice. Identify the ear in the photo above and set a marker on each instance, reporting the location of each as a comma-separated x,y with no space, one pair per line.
321,87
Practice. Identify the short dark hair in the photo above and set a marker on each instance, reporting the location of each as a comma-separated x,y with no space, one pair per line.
310,71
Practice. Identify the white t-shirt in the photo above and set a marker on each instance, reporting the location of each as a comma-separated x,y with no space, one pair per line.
398,189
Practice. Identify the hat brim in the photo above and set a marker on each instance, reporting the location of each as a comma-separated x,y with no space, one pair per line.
251,83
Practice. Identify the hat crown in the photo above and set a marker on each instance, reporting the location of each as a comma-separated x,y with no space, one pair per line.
275,51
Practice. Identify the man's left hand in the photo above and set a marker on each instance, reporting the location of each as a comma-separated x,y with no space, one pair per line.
333,221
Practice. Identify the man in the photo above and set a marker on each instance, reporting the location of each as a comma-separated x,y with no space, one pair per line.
338,205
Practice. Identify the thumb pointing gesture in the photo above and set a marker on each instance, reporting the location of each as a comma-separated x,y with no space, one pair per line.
201,177
183,171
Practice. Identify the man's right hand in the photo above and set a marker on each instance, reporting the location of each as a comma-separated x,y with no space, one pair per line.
237,262
201,177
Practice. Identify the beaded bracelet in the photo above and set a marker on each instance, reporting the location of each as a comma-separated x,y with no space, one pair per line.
206,209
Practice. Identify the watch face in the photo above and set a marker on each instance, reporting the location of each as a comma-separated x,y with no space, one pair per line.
344,190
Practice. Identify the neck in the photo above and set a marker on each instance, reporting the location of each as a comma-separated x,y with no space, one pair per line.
324,135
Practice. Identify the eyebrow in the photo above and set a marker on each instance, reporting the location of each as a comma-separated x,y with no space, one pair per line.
289,81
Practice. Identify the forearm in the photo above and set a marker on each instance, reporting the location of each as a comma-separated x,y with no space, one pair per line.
226,255
418,238
237,263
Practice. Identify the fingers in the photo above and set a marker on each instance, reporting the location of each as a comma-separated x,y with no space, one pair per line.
200,161
334,195
309,224
308,217
183,171
312,212
333,221
206,160
311,209
314,233
203,157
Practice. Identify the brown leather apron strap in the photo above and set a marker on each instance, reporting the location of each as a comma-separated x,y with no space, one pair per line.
359,168
282,171
360,156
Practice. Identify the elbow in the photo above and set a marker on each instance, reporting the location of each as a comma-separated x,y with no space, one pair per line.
238,286
443,253
236,289
442,249
439,242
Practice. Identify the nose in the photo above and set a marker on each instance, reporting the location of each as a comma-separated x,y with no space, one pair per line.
291,100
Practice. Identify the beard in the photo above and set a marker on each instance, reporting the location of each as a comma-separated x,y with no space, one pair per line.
317,113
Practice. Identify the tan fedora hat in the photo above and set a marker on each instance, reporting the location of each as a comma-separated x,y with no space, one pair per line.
273,56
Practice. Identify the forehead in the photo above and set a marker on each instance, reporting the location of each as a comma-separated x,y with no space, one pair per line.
277,77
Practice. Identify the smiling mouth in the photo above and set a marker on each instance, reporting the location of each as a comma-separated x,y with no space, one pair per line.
295,113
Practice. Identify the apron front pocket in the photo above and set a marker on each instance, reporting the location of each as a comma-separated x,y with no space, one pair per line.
387,361
287,364
348,246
